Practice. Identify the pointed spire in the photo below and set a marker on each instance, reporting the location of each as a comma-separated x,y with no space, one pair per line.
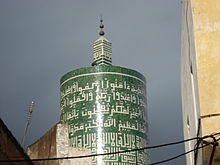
102,49
101,33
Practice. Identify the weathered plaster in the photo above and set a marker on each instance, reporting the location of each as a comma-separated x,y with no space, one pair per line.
55,144
201,49
206,17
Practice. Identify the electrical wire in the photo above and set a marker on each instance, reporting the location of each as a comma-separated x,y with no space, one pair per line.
125,151
196,150
104,154
200,141
215,144
185,153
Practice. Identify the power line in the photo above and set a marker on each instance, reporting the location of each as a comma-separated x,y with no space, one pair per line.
214,143
125,151
185,153
104,154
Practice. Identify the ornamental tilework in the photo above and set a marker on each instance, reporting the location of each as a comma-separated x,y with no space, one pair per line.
106,110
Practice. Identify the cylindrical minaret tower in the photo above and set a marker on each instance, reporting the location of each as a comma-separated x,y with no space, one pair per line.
105,107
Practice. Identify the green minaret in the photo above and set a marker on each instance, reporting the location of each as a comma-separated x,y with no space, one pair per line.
106,110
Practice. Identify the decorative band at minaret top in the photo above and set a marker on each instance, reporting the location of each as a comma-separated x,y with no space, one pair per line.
102,49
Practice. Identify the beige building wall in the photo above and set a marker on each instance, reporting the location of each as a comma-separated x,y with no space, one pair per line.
206,19
55,144
201,66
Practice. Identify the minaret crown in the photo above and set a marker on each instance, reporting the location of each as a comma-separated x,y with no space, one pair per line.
102,49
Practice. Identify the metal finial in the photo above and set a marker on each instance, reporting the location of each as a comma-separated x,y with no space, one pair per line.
101,33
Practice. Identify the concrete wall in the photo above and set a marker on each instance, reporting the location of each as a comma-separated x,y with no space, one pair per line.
189,87
206,16
10,149
45,147
201,70
55,144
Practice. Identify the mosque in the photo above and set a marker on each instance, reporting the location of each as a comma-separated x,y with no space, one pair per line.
103,110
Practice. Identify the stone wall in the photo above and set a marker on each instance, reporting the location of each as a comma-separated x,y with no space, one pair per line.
10,149
55,144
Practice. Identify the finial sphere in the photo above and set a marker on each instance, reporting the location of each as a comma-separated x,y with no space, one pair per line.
101,26
101,33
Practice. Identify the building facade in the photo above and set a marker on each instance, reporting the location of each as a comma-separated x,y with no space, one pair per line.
200,75
55,144
10,149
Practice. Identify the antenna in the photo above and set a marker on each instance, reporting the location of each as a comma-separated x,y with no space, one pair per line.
29,116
